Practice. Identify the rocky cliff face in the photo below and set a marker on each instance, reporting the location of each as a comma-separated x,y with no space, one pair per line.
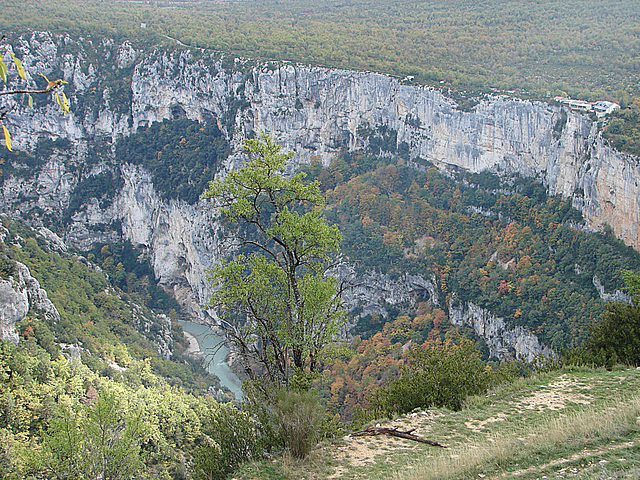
372,293
319,112
501,340
316,112
20,294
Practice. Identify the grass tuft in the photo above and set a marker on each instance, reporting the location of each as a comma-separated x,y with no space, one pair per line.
536,445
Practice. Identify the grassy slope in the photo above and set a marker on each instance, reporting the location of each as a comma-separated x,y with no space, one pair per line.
574,423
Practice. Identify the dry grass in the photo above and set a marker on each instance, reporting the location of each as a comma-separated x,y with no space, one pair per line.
575,423
537,444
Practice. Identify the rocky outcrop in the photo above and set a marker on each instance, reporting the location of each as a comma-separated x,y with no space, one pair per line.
317,113
19,295
373,293
617,296
156,328
501,340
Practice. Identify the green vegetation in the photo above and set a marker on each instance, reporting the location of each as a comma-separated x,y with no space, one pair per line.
110,405
276,290
567,423
502,244
101,186
299,417
233,437
106,323
278,307
129,271
181,155
102,440
622,129
121,410
26,165
585,49
437,376
59,419
616,338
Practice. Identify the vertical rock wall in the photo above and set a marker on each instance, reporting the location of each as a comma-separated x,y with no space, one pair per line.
316,112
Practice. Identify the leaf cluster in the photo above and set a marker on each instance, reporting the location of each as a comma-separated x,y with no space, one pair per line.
278,307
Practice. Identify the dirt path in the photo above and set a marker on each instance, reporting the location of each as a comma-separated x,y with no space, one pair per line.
584,455
369,453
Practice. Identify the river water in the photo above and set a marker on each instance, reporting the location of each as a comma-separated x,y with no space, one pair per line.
215,361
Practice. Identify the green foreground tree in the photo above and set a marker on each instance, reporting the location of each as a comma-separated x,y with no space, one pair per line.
616,338
278,306
102,441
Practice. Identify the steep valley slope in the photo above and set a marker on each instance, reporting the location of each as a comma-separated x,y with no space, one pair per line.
78,176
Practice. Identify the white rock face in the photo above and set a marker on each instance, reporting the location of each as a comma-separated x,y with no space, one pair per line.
319,112
373,292
499,134
316,112
14,306
18,295
502,341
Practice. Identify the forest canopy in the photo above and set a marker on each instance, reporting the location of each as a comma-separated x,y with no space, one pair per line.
583,48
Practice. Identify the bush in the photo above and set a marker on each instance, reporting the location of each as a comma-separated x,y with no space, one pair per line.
299,417
442,376
616,339
233,437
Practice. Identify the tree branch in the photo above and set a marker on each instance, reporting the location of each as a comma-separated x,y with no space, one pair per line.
394,432
17,92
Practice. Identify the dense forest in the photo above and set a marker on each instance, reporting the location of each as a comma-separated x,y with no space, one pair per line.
499,242
584,48
522,255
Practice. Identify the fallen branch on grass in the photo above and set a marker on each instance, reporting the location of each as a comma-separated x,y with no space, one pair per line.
372,431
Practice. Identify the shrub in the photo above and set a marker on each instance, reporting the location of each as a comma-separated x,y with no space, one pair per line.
616,338
298,417
442,376
233,437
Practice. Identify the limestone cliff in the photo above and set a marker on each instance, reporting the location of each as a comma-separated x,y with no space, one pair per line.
316,112
501,340
373,293
319,112
20,294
